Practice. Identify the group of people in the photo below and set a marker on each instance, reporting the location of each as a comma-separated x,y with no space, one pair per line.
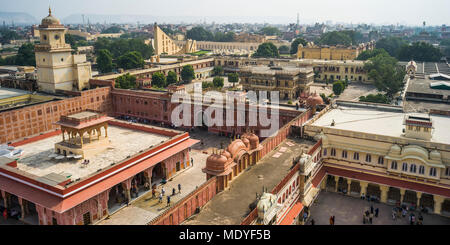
402,211
368,216
332,220
163,192
13,213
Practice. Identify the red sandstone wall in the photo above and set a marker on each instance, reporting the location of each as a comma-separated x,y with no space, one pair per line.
185,208
36,119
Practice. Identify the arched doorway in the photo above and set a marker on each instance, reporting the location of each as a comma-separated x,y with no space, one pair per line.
393,195
410,197
116,198
331,183
158,173
427,201
445,209
355,188
373,191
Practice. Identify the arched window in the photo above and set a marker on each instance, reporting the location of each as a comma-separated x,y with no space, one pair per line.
380,160
447,171
405,167
412,168
344,154
325,151
333,152
368,158
356,156
394,165
421,170
432,171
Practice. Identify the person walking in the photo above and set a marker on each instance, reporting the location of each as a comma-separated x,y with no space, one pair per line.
173,191
168,201
153,193
376,212
370,218
160,197
371,209
394,215
331,220
5,214
179,188
163,191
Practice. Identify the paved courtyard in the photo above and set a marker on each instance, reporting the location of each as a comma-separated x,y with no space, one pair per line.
349,211
145,208
356,90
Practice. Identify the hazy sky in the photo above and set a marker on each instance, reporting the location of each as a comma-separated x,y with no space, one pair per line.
413,12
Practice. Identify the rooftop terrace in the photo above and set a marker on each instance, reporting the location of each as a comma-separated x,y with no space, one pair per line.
387,121
123,143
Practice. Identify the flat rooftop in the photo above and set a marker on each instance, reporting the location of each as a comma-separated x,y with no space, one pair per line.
379,121
123,143
276,70
231,206
422,85
6,93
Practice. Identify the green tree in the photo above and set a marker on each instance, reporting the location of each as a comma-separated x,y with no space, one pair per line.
7,35
335,38
25,55
171,78
188,73
104,61
158,80
392,45
338,87
267,50
419,51
218,70
233,78
295,43
121,46
378,98
218,82
200,34
126,81
283,49
270,31
112,29
131,60
386,73
371,53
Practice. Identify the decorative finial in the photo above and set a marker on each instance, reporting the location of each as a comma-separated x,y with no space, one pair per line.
49,10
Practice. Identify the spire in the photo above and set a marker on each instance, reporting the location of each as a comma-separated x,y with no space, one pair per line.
49,10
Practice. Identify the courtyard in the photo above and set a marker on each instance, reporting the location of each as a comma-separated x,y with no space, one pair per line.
145,207
349,211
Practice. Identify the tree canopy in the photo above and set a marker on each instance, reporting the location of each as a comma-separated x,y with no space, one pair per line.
388,76
158,80
283,49
295,43
419,51
392,45
112,29
218,82
375,98
104,61
218,70
121,46
270,31
371,53
126,81
7,35
171,78
338,87
25,55
201,34
131,60
335,38
233,78
188,73
267,50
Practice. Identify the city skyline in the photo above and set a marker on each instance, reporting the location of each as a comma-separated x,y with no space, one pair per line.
281,12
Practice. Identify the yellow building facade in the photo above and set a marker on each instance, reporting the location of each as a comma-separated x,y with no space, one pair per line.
311,51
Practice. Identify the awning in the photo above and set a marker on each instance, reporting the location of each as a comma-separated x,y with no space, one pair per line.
61,205
293,213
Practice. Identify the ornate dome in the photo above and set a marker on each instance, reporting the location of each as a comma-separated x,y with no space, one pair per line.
226,154
50,20
314,100
254,141
246,142
235,147
216,162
